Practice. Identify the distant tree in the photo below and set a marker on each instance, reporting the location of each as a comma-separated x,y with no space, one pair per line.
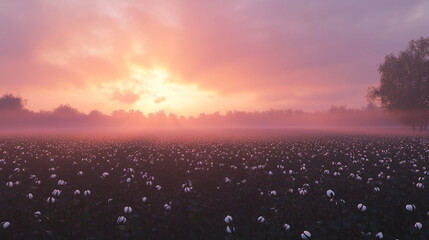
8,102
404,84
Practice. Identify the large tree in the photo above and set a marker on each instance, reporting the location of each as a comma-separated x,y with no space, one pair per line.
404,83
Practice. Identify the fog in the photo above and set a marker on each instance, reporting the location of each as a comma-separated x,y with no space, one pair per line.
16,119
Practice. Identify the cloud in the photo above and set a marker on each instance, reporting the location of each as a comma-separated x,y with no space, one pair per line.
230,48
265,45
127,97
160,100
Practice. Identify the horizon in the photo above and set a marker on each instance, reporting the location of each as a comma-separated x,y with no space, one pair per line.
17,118
10,101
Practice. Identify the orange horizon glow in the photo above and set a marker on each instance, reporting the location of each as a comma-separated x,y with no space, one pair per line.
198,57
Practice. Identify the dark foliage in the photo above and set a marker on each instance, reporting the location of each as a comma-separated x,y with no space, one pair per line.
404,82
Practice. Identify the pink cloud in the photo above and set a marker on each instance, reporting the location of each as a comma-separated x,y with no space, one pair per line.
276,50
126,96
160,100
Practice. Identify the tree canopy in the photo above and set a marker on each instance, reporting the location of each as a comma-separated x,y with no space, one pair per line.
404,82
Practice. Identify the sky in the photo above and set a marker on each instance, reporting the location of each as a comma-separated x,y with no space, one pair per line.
194,56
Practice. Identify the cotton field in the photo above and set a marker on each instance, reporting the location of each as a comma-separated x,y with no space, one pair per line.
324,187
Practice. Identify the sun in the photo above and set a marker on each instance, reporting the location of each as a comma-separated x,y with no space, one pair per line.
160,92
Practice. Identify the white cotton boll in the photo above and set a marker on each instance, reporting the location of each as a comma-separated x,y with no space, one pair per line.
306,235
167,207
158,187
9,184
410,207
420,185
121,220
56,193
361,207
76,192
261,219
286,226
53,176
418,225
86,193
379,235
227,180
80,173
5,225
37,214
51,200
61,182
127,210
228,219
30,196
144,199
229,229
330,193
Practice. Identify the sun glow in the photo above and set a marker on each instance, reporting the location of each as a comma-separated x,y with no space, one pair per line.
157,93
